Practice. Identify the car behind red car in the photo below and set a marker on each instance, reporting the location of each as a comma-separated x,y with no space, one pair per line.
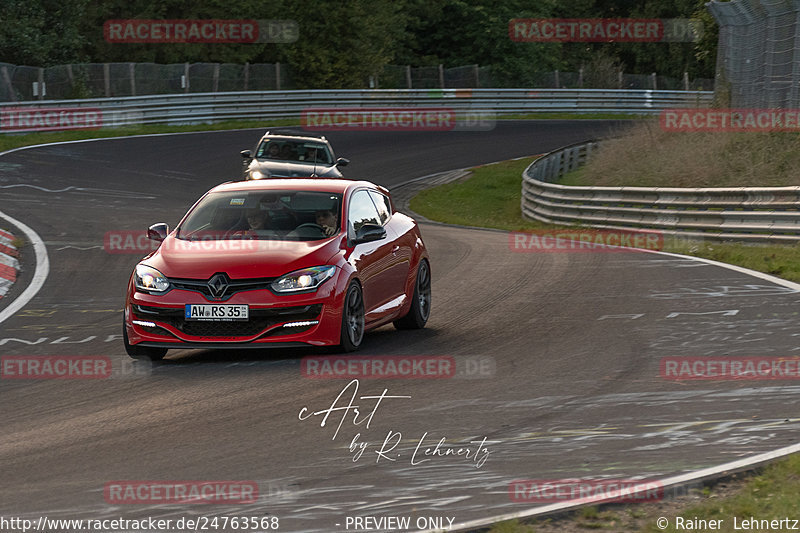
294,262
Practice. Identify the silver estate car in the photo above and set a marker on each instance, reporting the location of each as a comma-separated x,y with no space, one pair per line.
291,155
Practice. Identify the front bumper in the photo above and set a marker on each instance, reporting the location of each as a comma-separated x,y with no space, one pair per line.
282,320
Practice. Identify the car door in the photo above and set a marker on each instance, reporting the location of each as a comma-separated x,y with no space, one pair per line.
402,245
372,260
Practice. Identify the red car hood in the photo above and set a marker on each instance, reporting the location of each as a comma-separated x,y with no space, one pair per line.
240,259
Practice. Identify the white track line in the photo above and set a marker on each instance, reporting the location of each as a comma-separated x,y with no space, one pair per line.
39,275
706,473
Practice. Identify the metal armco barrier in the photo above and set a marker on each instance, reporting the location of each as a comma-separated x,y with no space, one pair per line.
741,213
212,107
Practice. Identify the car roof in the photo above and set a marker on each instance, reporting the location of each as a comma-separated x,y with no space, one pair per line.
294,137
297,184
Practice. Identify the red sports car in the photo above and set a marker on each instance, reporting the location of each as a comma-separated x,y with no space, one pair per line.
292,262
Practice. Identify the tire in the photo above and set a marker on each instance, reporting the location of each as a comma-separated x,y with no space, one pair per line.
420,310
141,352
352,333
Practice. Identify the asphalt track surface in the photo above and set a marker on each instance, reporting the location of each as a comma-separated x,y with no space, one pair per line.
558,356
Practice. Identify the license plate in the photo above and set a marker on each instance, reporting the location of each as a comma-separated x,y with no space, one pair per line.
222,312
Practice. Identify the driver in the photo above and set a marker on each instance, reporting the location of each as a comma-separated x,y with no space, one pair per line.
328,221
273,151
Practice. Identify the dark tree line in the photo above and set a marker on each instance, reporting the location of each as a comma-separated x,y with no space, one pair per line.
343,42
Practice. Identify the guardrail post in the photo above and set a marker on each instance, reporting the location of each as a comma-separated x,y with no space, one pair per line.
106,79
580,77
246,74
186,77
685,81
476,70
575,160
653,77
215,83
441,75
7,79
70,76
557,83
408,77
42,89
277,76
132,72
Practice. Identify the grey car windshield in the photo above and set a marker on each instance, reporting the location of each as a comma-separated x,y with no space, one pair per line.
308,152
269,215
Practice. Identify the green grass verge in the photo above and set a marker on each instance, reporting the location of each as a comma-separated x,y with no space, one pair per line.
769,494
642,154
490,198
772,494
10,141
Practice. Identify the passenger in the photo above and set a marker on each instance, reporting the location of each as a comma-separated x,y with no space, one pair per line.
311,154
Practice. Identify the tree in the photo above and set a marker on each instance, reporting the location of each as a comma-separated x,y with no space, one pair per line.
42,32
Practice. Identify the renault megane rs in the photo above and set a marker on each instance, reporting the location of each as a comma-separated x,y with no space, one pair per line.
292,262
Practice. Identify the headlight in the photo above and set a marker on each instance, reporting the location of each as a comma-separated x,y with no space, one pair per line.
303,280
149,279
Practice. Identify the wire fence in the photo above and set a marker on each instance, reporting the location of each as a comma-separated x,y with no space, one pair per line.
104,80
758,58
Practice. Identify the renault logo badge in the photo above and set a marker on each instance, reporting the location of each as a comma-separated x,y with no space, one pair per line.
217,285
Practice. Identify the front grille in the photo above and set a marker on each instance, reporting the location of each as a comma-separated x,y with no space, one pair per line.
260,319
234,286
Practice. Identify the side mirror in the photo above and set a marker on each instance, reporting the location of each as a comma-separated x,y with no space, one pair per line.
158,232
342,162
369,233
246,154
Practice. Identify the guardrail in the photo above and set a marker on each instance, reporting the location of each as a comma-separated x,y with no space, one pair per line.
743,213
213,107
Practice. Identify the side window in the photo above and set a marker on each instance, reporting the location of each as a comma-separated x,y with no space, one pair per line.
362,211
383,205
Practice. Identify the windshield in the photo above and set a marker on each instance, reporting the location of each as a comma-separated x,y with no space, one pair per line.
269,215
307,152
